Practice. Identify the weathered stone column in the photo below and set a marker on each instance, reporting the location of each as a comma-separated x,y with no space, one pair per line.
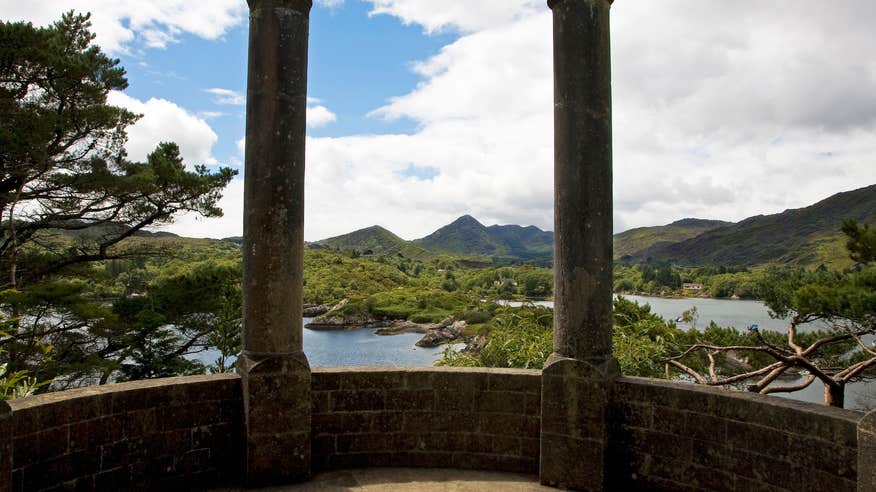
576,379
867,453
273,368
5,447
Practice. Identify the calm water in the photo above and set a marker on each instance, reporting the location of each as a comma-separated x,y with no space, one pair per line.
363,348
358,348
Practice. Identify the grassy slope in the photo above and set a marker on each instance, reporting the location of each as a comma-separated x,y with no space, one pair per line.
805,237
633,241
377,240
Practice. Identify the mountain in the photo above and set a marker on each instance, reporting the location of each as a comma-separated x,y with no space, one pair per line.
808,236
375,240
628,243
466,236
463,236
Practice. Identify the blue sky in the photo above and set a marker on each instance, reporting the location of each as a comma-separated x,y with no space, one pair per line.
357,63
423,110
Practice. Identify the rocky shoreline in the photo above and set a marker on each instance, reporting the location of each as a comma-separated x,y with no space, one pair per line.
434,334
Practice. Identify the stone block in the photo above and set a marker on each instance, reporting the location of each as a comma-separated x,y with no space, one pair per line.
410,399
277,417
867,453
353,379
357,400
574,423
455,401
5,447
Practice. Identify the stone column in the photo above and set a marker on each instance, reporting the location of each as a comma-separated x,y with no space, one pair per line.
576,378
867,453
5,447
273,368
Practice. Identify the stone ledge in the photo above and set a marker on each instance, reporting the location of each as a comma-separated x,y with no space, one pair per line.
164,384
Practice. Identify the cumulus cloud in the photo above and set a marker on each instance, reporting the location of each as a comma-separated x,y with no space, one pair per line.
164,121
721,111
319,116
119,23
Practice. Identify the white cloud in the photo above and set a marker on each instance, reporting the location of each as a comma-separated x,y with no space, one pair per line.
319,116
119,23
164,121
226,97
721,110
211,115
463,15
229,225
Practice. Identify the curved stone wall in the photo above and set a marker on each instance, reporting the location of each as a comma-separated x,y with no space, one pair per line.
184,432
176,434
426,417
677,436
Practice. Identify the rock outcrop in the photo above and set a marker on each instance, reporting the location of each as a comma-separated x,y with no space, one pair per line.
314,310
447,331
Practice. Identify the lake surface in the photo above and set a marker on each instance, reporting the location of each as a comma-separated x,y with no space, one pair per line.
364,348
358,348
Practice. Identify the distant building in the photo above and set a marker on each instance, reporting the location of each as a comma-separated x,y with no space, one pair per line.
692,286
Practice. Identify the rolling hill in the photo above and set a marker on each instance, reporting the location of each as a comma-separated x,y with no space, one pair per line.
808,236
376,240
628,243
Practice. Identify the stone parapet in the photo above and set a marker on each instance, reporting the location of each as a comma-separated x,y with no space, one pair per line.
176,434
426,417
5,447
678,436
867,453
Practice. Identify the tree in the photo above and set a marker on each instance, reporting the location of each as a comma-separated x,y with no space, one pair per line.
845,301
62,157
70,197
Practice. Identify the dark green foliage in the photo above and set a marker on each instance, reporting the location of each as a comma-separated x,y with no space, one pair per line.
70,199
62,158
861,241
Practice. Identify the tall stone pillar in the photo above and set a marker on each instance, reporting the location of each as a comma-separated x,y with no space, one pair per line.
867,453
5,447
273,368
576,378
